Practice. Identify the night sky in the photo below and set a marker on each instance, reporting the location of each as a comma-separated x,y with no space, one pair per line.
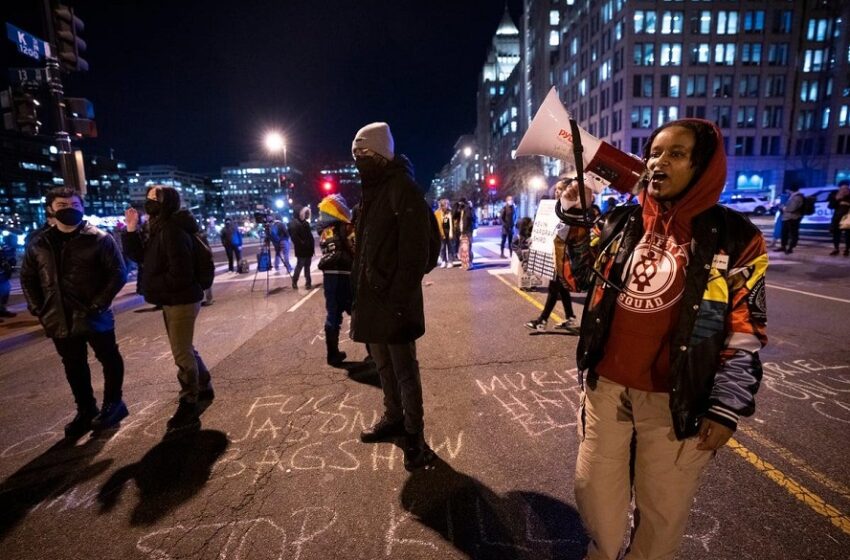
196,83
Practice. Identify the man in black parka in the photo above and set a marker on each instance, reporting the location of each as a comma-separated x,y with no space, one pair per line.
70,274
391,257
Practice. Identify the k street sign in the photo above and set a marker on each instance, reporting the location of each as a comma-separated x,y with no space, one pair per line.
28,45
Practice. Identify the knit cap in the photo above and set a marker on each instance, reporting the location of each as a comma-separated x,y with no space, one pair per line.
333,208
376,137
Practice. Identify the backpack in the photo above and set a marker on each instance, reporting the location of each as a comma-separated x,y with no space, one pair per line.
434,242
204,265
808,205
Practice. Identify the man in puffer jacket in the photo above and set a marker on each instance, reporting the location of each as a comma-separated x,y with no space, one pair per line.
70,274
170,281
668,354
391,257
336,240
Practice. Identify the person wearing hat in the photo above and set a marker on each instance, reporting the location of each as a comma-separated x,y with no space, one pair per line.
336,240
390,260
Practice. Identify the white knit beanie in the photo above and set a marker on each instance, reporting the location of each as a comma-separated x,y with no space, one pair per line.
376,137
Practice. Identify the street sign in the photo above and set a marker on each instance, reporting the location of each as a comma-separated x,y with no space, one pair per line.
29,45
27,77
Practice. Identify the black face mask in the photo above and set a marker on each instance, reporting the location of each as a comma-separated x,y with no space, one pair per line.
153,207
69,216
370,169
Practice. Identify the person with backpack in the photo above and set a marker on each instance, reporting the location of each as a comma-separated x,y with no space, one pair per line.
171,280
70,274
336,240
668,354
839,203
567,238
280,241
792,215
231,240
395,233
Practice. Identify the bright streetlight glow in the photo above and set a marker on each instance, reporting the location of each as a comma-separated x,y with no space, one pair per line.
278,203
275,142
537,182
467,151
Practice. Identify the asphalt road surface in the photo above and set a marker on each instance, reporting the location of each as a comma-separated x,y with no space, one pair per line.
277,470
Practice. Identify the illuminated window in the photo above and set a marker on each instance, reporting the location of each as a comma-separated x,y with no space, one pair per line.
704,22
727,22
671,22
844,117
809,90
824,123
751,54
746,117
754,21
815,60
670,85
723,116
644,54
642,117
554,38
700,53
671,54
724,54
696,86
554,17
818,29
667,114
645,21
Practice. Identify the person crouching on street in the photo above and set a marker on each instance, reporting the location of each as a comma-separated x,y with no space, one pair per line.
170,281
336,235
390,259
70,275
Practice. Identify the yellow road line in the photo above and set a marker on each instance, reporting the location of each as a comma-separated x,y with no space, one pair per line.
803,494
797,490
819,477
530,299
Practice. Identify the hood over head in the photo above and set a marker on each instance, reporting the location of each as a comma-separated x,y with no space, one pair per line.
704,190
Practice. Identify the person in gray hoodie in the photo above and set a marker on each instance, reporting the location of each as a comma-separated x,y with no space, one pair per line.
792,215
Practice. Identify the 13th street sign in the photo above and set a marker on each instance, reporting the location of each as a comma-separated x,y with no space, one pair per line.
29,45
31,78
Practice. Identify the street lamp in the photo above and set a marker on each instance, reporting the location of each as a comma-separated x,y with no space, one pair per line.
467,151
275,144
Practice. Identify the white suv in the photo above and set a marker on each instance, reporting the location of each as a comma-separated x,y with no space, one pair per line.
749,205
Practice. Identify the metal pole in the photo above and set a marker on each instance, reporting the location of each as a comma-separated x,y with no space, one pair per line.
57,105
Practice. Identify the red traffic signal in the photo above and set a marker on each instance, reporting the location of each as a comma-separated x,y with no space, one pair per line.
327,186
492,182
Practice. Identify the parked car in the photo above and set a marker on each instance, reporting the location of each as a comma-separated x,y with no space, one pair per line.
749,204
823,214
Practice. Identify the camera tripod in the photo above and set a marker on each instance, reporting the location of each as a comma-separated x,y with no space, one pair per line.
264,262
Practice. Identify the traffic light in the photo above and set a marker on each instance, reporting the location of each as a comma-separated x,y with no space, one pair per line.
22,112
327,186
69,44
492,182
79,115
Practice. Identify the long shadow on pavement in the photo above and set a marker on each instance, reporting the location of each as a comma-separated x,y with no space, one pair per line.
57,470
482,524
169,474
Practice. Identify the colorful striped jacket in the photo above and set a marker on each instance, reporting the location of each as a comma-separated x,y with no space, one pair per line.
715,370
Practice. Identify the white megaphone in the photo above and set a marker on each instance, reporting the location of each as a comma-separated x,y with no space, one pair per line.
550,134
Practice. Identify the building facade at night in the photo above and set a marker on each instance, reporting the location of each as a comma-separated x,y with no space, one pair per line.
256,185
775,77
192,186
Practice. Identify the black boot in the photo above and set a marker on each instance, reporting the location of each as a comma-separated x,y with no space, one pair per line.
335,357
81,423
417,453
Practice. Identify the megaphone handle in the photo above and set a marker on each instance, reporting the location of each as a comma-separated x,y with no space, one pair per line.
577,155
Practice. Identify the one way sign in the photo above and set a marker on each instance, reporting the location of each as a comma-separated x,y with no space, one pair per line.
29,45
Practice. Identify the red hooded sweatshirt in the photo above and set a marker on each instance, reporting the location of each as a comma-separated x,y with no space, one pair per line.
637,353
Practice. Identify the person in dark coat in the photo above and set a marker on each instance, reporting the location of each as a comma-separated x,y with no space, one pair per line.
70,275
170,281
839,203
231,240
280,241
391,257
508,218
305,247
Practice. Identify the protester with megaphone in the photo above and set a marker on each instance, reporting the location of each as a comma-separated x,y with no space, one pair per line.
668,355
